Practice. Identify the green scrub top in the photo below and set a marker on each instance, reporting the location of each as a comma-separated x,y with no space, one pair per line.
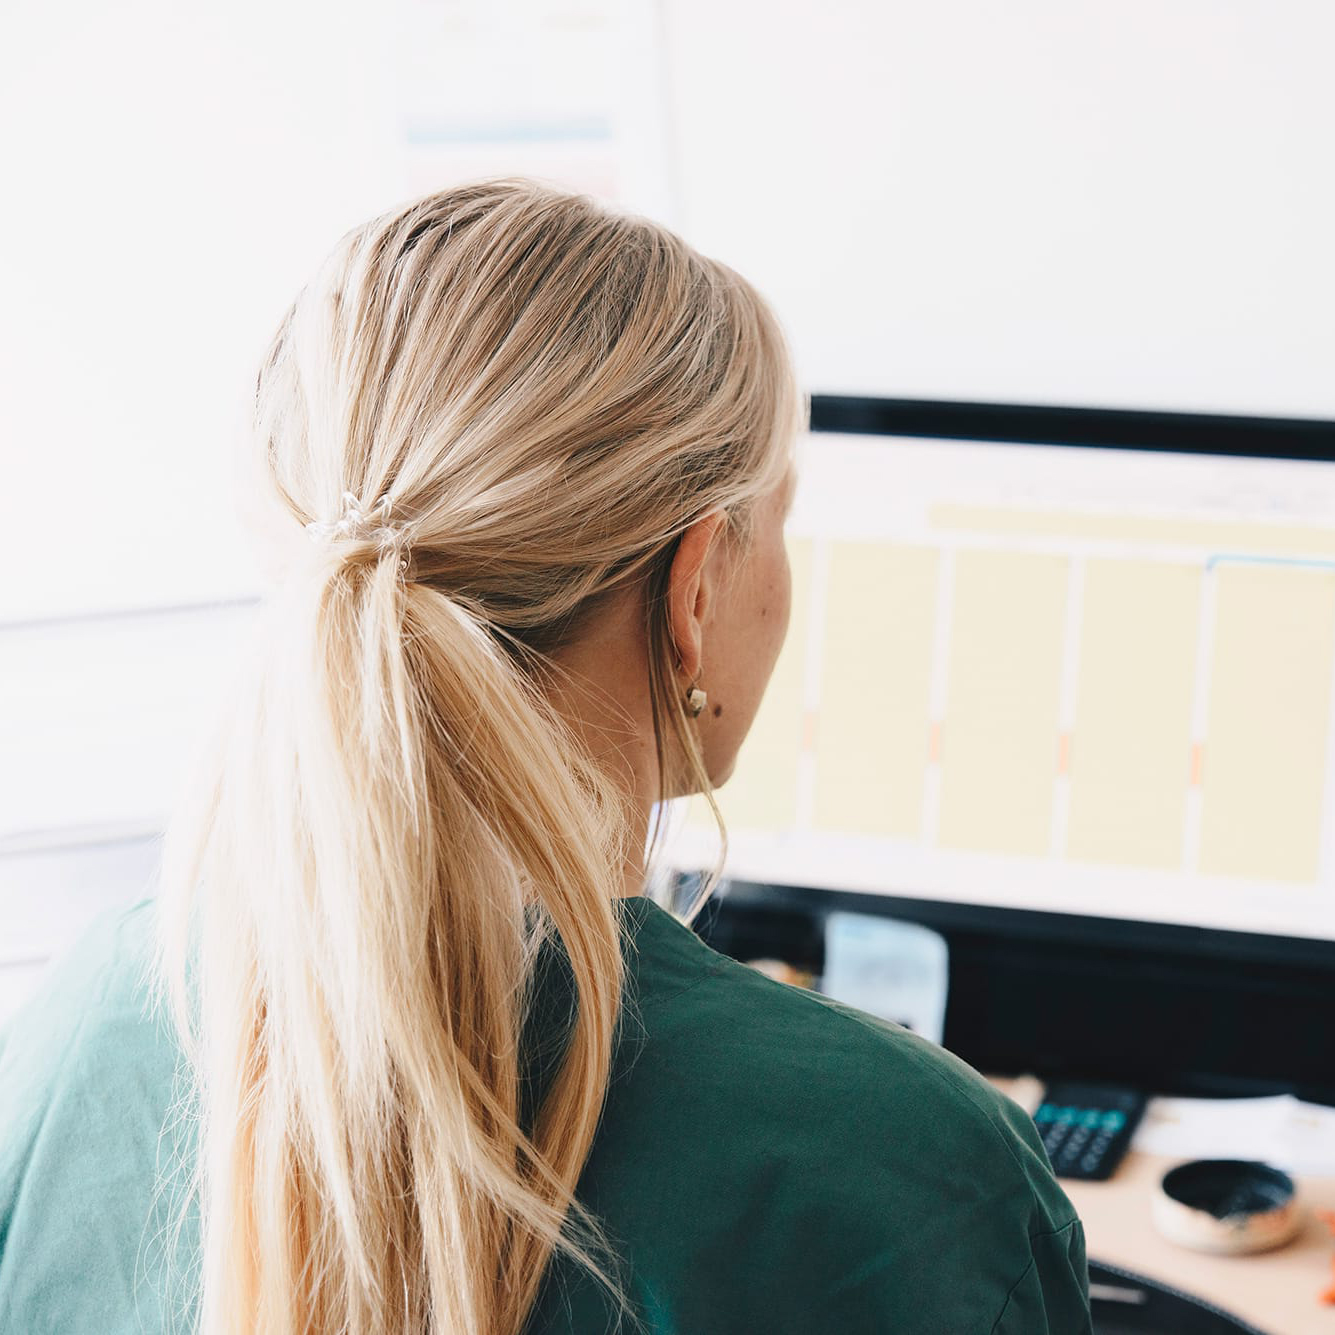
769,1160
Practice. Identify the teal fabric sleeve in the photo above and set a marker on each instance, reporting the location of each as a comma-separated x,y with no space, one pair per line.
85,1082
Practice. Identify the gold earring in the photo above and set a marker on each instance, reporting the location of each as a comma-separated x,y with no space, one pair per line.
695,701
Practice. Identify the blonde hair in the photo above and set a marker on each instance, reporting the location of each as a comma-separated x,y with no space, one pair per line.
546,393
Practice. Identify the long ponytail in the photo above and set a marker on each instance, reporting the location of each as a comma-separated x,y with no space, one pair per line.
397,822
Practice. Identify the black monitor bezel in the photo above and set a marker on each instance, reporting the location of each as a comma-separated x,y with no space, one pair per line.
1308,439
1164,1008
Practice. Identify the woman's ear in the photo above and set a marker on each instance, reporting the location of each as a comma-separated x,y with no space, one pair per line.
692,585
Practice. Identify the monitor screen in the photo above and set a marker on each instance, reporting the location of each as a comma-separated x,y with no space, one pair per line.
1070,679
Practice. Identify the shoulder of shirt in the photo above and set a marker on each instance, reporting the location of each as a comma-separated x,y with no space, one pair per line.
858,1053
101,976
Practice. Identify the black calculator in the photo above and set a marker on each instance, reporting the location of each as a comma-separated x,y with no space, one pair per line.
1086,1129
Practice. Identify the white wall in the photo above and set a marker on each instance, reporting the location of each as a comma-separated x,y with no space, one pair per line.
171,174
1049,201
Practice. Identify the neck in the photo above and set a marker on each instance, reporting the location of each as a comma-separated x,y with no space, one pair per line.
601,689
633,876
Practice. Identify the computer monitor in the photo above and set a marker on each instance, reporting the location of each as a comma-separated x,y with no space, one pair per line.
1054,674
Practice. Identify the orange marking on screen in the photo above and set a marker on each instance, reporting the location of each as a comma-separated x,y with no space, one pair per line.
1197,763
1063,753
809,730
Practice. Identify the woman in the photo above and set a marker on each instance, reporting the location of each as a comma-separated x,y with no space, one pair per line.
447,1068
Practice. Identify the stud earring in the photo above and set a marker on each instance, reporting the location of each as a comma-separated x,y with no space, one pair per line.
695,701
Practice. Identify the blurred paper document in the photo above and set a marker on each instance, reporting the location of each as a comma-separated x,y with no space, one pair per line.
1295,1136
895,970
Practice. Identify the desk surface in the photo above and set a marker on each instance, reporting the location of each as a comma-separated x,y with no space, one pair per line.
1279,1291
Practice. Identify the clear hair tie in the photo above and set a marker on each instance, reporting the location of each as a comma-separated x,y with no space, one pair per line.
360,523
356,522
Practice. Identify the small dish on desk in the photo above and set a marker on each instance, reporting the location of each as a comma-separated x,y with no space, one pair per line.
1227,1206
